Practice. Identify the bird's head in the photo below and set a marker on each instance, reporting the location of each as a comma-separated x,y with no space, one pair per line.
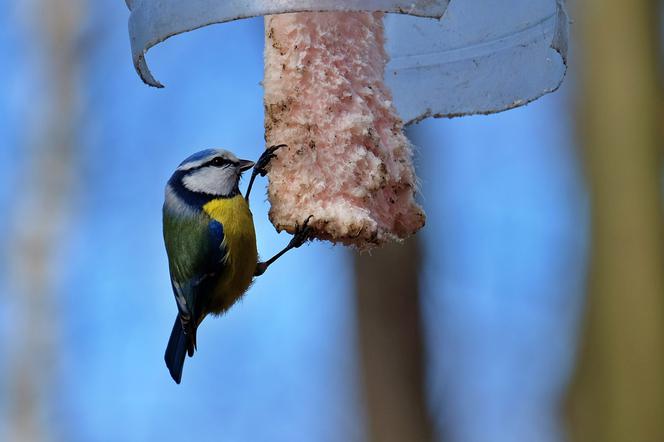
211,172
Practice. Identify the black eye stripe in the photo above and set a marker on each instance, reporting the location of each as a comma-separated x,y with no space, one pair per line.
216,162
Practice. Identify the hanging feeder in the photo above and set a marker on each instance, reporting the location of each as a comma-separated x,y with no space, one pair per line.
343,77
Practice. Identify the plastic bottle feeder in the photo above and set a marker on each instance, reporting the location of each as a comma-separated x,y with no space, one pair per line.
342,78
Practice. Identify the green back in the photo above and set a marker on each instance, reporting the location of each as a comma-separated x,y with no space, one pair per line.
190,245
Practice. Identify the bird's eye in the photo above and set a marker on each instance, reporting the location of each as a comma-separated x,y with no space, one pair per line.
218,162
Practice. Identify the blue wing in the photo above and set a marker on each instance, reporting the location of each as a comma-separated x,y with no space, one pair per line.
196,255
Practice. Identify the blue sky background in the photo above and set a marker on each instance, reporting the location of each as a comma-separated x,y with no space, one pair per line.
505,247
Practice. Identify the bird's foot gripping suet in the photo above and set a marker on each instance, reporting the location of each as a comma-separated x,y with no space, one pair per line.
260,168
261,165
302,235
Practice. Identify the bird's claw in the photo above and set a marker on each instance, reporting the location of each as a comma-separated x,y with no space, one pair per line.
302,234
261,165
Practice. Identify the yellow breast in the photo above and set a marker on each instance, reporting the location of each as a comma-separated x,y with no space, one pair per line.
240,242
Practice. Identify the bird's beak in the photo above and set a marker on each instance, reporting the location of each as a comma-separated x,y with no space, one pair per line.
246,165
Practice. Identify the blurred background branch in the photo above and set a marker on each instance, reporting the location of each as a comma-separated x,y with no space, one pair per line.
45,195
618,392
391,346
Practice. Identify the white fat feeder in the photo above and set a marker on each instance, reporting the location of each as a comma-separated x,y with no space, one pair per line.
343,77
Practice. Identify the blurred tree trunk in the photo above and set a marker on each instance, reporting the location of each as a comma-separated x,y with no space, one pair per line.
618,392
40,217
391,346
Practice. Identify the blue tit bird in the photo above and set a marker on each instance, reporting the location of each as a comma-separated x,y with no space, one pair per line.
210,242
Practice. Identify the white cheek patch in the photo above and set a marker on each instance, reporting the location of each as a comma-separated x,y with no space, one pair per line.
212,180
175,204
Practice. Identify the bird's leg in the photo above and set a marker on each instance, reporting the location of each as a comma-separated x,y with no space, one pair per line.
301,236
261,165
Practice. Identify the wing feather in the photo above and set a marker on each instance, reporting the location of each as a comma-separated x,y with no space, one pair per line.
195,247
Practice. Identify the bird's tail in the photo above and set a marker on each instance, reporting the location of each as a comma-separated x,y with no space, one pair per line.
179,344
